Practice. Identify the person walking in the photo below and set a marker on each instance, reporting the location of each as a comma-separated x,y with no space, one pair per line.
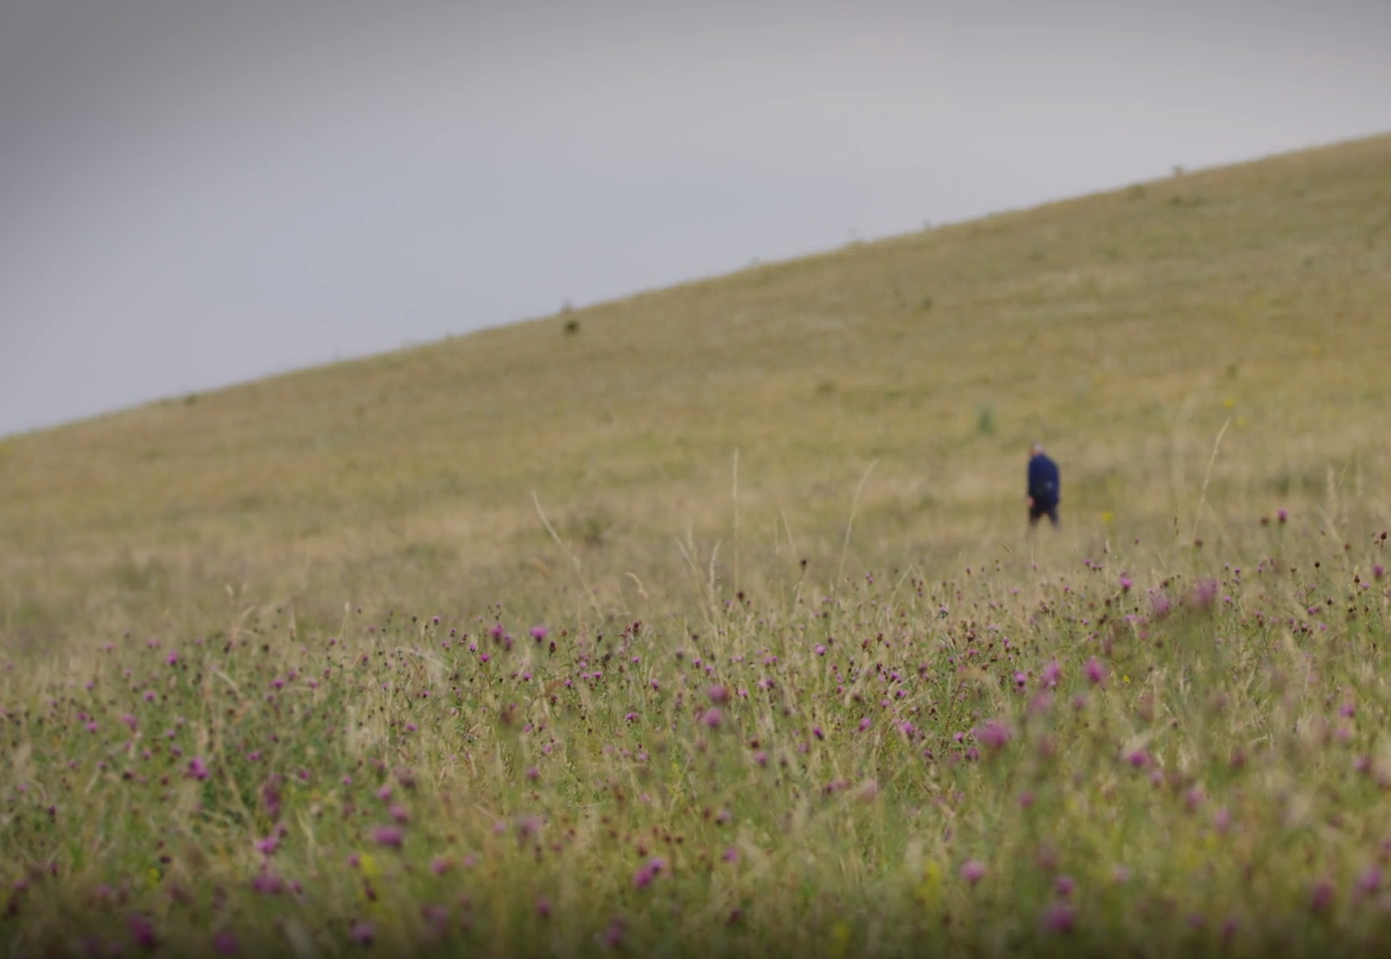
1045,486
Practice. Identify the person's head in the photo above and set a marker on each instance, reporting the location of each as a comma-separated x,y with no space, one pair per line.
1036,450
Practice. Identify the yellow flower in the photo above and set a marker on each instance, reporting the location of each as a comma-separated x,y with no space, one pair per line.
840,938
1107,516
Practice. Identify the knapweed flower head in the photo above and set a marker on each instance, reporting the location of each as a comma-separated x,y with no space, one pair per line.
389,836
197,769
1160,605
993,734
1321,897
718,694
1205,592
711,718
1126,583
142,931
972,871
1096,673
225,943
1369,881
1058,918
539,633
361,933
1049,675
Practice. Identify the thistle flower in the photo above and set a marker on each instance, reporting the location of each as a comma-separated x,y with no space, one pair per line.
1321,897
993,734
718,694
1160,606
1369,881
972,871
1050,674
197,769
390,836
142,931
361,933
1058,918
1205,592
225,943
1096,673
711,718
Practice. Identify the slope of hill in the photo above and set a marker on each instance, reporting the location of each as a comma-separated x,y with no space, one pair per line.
721,429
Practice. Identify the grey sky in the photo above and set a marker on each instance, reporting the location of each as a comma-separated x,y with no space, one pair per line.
194,193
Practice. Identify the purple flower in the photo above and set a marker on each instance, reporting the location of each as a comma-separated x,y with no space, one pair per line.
1096,673
1378,571
1222,820
361,933
613,936
993,734
1020,680
141,930
1065,885
1050,674
730,855
197,769
972,871
711,718
267,846
390,836
1126,583
539,633
1321,897
816,731
1282,516
866,723
225,943
1370,880
1139,759
129,720
1205,592
718,694
543,907
400,813
1058,918
1159,604
268,883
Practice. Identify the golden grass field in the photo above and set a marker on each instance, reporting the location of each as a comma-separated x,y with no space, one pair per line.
706,622
721,428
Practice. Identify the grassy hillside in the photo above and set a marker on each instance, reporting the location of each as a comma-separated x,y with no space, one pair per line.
299,668
1124,329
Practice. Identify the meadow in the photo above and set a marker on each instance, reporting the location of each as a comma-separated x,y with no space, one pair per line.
705,622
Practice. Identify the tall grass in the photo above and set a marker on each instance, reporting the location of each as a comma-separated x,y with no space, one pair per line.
500,647
1044,756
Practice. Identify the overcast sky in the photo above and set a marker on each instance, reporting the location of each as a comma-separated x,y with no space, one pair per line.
194,193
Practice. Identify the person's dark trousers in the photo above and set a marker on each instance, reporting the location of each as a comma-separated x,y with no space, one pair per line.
1039,510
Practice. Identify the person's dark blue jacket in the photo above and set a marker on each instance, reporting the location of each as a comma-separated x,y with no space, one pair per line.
1045,488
